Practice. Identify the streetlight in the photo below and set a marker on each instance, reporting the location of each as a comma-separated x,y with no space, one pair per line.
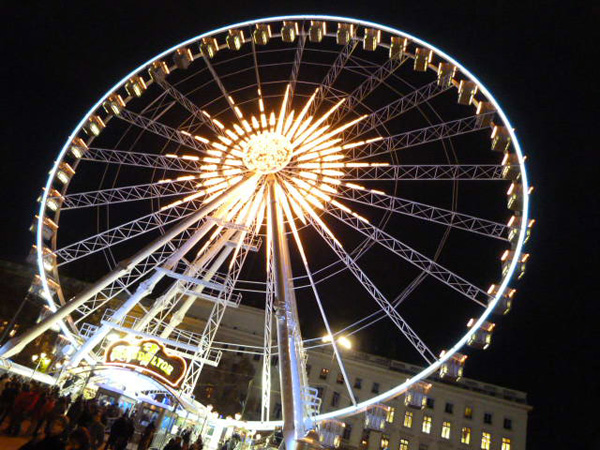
342,341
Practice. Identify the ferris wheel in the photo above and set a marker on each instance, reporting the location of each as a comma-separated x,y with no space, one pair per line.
271,162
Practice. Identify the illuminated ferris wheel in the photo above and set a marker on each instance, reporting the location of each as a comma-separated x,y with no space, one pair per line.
271,162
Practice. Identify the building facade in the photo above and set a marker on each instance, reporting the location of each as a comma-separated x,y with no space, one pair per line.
466,414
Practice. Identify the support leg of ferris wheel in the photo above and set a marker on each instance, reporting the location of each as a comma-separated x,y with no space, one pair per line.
286,318
144,288
16,344
166,301
177,318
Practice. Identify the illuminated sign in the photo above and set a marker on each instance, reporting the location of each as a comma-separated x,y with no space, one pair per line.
149,357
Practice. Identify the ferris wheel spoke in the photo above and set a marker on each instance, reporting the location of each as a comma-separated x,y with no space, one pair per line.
381,300
185,185
290,218
181,98
128,279
154,126
426,172
412,256
188,164
369,85
396,108
121,233
256,66
267,342
363,279
421,136
226,95
214,320
423,211
332,75
296,68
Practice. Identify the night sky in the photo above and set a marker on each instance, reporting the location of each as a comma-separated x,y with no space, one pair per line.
60,57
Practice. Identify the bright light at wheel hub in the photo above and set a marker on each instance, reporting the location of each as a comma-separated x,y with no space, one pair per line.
267,152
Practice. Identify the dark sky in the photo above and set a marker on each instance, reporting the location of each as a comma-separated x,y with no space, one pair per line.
59,57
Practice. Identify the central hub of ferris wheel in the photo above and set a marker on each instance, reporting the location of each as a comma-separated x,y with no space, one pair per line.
267,152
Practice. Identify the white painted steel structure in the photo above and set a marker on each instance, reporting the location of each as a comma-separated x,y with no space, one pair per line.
329,138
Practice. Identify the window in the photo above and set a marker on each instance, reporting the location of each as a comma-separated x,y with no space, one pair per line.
256,357
446,430
486,441
468,412
340,378
487,418
209,391
430,403
323,374
277,411
335,399
390,415
507,423
426,424
465,435
308,367
347,431
320,391
375,388
449,408
274,360
384,443
403,444
505,444
423,447
408,416
358,383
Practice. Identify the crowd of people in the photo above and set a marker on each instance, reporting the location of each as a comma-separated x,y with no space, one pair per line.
55,422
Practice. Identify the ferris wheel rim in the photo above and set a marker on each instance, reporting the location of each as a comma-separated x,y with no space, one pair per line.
477,324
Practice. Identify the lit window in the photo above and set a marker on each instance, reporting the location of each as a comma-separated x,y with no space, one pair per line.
358,383
426,424
465,435
505,444
375,388
340,378
403,444
487,418
446,430
323,374
468,412
384,443
449,408
486,441
408,416
390,415
507,423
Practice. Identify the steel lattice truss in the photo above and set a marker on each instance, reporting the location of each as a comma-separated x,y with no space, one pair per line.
426,212
293,137
426,172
